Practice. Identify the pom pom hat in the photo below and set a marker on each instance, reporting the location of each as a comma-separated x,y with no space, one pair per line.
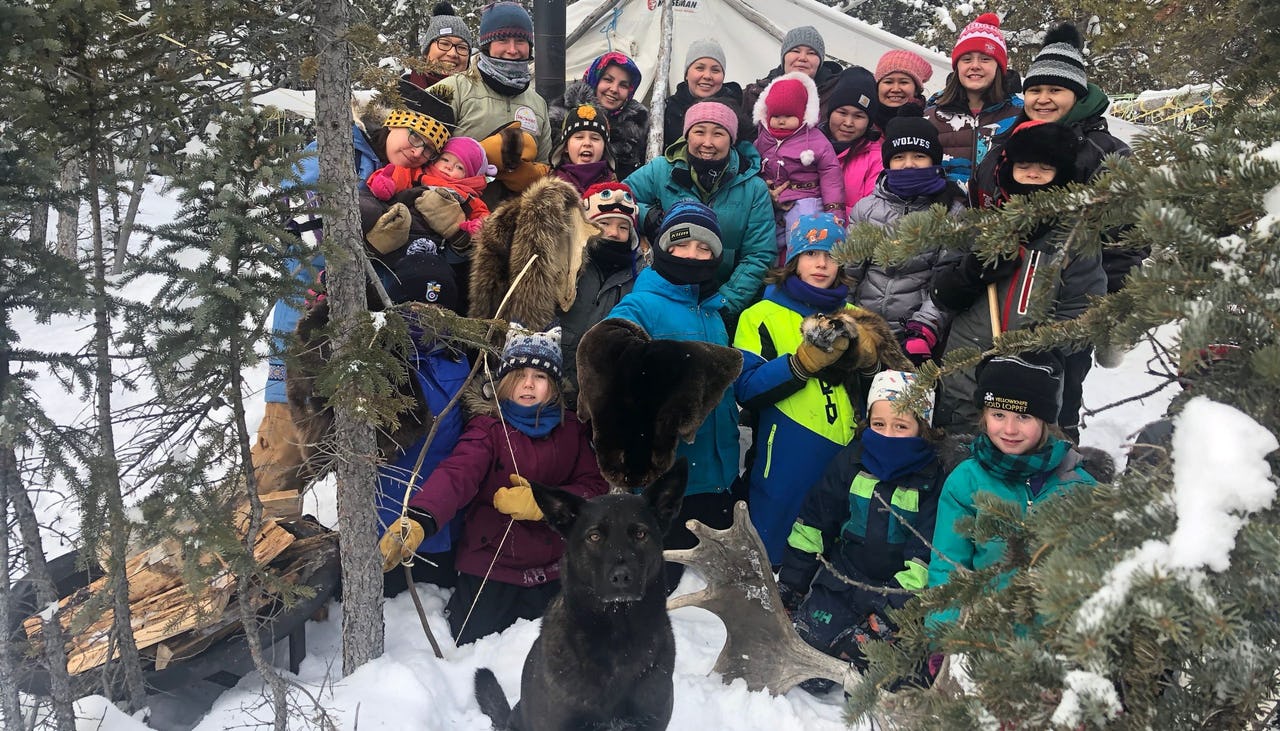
446,22
505,20
813,232
528,349
714,112
586,117
893,385
1060,62
433,132
982,36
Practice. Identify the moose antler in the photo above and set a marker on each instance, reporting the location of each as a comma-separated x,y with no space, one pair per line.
762,647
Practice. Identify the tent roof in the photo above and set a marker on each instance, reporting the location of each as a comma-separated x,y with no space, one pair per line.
748,30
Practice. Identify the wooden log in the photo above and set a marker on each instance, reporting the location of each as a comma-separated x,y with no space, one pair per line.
282,505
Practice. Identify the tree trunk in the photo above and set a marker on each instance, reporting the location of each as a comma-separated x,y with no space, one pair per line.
105,470
362,624
141,163
54,655
69,218
38,233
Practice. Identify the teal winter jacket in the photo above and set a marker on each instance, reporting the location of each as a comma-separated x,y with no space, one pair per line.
743,210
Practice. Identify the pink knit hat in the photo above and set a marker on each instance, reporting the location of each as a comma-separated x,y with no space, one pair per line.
982,36
472,156
904,62
714,112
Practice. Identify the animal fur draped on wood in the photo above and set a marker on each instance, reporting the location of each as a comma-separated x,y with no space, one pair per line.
312,413
873,347
546,220
641,395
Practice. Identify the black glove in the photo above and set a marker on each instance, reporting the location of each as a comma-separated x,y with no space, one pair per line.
953,289
651,227
997,270
791,598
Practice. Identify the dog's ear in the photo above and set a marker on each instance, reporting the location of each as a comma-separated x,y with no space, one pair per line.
559,508
667,492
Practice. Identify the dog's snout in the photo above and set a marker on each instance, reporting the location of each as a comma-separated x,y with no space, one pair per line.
620,577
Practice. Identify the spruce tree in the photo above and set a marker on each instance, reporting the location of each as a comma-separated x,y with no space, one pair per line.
1066,631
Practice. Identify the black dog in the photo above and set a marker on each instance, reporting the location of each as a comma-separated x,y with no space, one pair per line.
606,653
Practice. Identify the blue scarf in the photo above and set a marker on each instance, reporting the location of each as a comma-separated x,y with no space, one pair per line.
911,182
534,422
823,300
890,458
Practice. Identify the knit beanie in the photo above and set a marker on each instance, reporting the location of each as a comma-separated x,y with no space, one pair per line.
612,200
505,20
904,62
813,232
1060,62
910,132
586,117
423,275
704,48
1028,383
785,98
472,156
613,58
855,87
982,36
892,385
689,219
446,22
714,112
529,349
433,132
1047,142
805,35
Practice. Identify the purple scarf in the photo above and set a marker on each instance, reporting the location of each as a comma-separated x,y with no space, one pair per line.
583,175
822,300
911,182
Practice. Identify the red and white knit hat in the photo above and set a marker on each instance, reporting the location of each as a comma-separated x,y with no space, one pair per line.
982,36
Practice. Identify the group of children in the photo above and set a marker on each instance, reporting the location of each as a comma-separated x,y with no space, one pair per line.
857,470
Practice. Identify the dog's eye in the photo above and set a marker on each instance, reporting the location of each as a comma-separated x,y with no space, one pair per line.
640,534
595,536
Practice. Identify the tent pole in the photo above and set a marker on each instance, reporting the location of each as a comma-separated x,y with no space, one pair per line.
589,22
757,19
661,83
549,45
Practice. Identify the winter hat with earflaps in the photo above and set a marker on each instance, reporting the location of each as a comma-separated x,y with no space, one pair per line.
531,349
1060,62
893,385
1028,383
445,21
805,35
982,36
1038,141
904,62
469,151
612,200
433,132
704,48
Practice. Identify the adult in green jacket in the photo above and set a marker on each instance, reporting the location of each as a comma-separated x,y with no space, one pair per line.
710,166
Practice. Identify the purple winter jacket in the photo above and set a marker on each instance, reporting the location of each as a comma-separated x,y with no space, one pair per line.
479,465
785,161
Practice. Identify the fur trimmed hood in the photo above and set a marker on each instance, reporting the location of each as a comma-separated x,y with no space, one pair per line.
811,118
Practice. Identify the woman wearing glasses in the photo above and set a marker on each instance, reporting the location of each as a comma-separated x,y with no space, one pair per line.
448,51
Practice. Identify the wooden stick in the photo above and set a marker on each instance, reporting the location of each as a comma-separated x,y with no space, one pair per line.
422,614
994,308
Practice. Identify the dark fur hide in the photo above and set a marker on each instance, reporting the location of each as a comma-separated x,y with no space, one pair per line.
643,395
312,413
547,220
605,656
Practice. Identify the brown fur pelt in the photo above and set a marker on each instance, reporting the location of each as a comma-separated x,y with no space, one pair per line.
312,413
873,347
641,396
548,221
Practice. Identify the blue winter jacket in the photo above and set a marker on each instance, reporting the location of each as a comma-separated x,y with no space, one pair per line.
802,422
669,311
287,312
743,210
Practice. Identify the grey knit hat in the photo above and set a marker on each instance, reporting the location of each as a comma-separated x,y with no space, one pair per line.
1060,62
704,48
805,35
446,22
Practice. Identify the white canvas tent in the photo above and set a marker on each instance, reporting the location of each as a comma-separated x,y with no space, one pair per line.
749,31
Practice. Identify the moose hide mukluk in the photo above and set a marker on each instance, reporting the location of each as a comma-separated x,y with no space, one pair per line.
548,221
641,395
312,413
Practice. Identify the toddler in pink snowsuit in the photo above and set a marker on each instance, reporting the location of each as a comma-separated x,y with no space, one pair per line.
798,162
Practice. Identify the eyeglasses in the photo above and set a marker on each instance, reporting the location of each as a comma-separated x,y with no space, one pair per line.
416,141
457,47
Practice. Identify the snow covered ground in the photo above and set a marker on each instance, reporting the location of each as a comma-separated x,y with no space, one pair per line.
408,687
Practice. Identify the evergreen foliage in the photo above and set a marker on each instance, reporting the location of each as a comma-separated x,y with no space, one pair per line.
1182,649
